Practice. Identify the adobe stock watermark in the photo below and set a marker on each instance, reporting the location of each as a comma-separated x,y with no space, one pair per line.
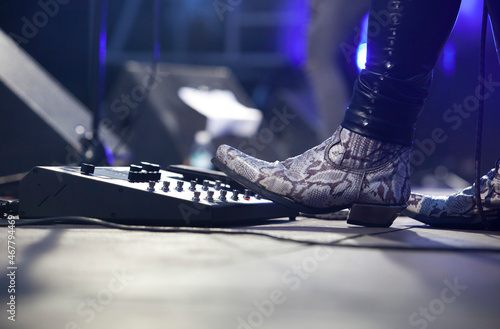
278,123
454,117
73,157
188,210
126,102
265,136
121,107
378,21
293,279
88,310
223,6
11,268
31,26
437,306
196,207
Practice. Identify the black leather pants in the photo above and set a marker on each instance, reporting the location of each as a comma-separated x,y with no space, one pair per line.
405,39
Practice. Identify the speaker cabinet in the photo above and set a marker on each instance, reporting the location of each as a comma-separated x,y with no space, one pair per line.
40,118
148,113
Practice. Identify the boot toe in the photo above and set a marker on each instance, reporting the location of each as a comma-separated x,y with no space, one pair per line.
240,163
422,206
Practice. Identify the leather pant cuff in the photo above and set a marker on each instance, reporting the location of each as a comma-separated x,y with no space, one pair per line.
385,108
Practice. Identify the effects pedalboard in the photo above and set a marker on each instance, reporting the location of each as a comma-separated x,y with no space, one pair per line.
143,195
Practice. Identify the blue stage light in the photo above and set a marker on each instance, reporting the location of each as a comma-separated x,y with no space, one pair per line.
362,47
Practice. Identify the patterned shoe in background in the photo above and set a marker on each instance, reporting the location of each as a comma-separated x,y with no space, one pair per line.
459,210
345,171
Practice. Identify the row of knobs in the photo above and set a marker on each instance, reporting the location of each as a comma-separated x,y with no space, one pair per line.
210,193
148,172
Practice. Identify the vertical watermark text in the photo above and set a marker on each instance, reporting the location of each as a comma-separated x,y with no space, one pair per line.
11,269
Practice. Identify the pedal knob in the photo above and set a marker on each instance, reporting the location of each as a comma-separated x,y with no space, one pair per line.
193,186
87,169
134,176
258,196
218,185
153,176
223,194
247,194
151,186
135,168
179,185
234,197
196,197
206,184
165,186
150,166
143,177
210,196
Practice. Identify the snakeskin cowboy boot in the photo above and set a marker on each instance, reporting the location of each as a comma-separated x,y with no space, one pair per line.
345,171
364,166
459,210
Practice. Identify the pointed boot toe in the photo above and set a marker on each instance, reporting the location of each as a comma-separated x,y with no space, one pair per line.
459,210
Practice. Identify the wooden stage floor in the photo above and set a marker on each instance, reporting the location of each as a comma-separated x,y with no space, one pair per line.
406,276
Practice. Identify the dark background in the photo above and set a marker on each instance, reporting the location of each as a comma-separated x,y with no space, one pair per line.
267,53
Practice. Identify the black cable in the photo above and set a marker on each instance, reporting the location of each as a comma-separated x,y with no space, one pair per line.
480,116
196,230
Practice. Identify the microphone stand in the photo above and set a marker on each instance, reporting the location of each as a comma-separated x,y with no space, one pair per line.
93,150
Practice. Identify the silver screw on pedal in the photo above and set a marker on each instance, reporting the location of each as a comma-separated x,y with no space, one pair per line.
179,186
196,197
210,196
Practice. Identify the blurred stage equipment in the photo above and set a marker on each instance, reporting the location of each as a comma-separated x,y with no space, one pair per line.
181,196
157,112
42,123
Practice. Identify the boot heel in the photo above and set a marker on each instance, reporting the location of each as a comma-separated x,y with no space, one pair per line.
374,215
